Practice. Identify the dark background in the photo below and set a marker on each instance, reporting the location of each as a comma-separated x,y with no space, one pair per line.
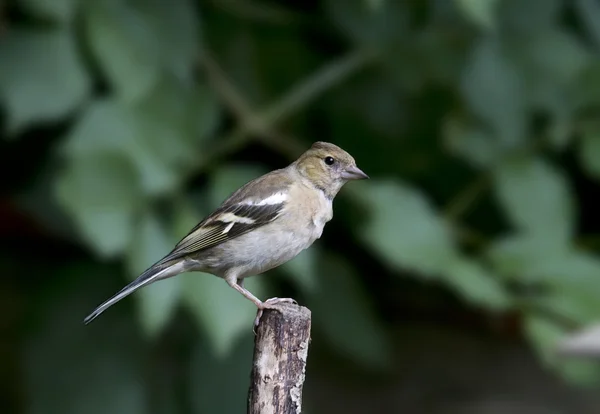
442,285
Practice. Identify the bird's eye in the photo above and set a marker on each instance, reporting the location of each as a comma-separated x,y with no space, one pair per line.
329,160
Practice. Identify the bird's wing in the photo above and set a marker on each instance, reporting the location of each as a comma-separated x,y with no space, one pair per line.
251,207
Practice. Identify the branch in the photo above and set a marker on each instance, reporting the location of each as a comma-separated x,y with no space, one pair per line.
280,352
262,122
321,81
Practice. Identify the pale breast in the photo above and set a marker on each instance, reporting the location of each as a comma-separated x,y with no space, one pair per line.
298,226
323,213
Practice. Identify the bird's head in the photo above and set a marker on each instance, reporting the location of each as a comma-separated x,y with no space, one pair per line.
328,167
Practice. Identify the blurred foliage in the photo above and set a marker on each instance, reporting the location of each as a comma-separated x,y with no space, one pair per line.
474,119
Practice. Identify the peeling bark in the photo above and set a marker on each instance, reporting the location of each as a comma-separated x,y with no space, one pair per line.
280,352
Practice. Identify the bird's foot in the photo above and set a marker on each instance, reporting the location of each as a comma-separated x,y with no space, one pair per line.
272,303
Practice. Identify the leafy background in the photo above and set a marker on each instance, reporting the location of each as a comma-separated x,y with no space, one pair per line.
442,285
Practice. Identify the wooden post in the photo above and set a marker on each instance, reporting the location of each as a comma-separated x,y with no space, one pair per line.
280,352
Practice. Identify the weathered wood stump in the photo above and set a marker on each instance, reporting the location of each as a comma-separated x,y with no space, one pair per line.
280,352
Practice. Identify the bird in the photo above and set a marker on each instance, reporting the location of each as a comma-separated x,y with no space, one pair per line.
263,224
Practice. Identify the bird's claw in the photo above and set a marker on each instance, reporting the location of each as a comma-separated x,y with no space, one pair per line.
271,303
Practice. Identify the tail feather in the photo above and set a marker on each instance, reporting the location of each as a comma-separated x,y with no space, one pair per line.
154,273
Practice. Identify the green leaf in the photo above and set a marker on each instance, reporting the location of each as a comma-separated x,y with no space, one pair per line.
524,257
589,150
304,269
581,372
585,93
204,113
404,229
471,143
565,306
369,25
574,276
375,4
175,27
157,302
522,18
536,197
102,368
104,126
229,178
481,12
220,310
493,90
208,372
344,316
173,119
551,62
589,13
157,152
60,10
545,335
476,284
102,193
124,44
42,78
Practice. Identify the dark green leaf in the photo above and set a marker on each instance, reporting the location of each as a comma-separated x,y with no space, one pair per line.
526,258
158,301
61,10
581,372
154,144
551,62
589,13
521,18
102,368
175,27
123,42
102,193
575,277
304,269
536,197
222,312
481,12
344,315
589,150
471,143
476,284
545,335
209,372
174,119
404,229
494,91
586,90
104,126
368,25
41,76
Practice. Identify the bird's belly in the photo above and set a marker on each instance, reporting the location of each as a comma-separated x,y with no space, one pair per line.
263,251
259,251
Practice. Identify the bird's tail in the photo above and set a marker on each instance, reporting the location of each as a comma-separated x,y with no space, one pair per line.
154,273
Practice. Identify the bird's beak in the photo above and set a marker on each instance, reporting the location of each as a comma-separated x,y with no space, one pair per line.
354,173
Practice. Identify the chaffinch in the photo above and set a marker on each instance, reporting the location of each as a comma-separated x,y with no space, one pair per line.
262,225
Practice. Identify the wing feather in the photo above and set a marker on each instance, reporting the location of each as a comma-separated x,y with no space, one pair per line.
226,223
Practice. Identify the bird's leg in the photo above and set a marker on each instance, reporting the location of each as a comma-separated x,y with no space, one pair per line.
233,282
238,284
